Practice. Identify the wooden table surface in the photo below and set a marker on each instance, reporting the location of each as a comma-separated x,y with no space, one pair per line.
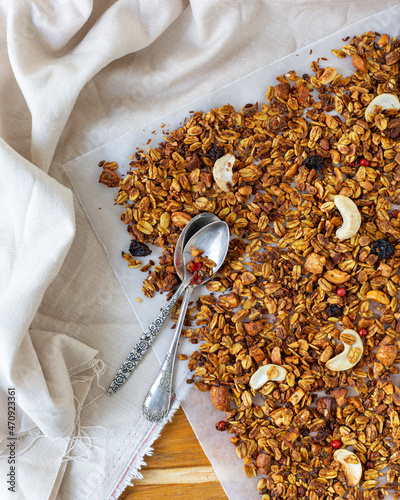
178,468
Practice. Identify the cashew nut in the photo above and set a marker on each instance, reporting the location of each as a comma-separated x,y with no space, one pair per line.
222,172
266,373
350,356
351,217
385,101
351,464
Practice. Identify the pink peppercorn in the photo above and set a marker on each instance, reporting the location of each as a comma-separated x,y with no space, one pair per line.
196,266
341,292
362,332
196,280
364,162
220,426
336,443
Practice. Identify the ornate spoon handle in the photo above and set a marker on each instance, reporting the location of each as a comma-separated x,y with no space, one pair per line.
158,400
144,343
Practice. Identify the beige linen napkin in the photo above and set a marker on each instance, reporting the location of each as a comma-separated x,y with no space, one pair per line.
76,74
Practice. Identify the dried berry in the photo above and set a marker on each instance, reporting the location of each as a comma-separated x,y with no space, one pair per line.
215,153
341,292
196,266
364,162
221,426
138,249
334,311
301,491
336,443
315,162
362,332
196,280
382,248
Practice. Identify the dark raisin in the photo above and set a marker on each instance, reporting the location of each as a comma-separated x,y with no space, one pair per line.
301,491
215,153
315,162
382,248
334,311
138,249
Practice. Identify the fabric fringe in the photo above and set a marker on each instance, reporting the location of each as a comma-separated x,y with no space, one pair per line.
79,437
147,448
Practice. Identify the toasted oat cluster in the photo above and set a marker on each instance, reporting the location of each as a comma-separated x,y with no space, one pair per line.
318,306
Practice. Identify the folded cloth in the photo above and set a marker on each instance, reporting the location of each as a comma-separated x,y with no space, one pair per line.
76,74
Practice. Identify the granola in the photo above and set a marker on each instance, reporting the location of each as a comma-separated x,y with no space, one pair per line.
289,286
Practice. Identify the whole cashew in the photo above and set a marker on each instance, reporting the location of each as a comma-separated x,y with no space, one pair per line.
385,101
351,217
351,464
266,373
350,356
222,172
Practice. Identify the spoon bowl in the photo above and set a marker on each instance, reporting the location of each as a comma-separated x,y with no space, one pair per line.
191,228
213,240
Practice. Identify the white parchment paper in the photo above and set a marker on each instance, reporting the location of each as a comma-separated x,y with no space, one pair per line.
97,201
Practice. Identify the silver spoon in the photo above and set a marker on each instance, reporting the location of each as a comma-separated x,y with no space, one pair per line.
214,241
149,335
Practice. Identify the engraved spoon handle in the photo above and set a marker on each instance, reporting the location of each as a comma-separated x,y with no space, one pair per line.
144,343
158,400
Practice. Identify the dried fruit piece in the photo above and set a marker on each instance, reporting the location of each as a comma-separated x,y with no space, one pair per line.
351,217
382,248
222,172
350,355
334,311
385,101
266,373
221,425
138,249
351,465
215,152
315,162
